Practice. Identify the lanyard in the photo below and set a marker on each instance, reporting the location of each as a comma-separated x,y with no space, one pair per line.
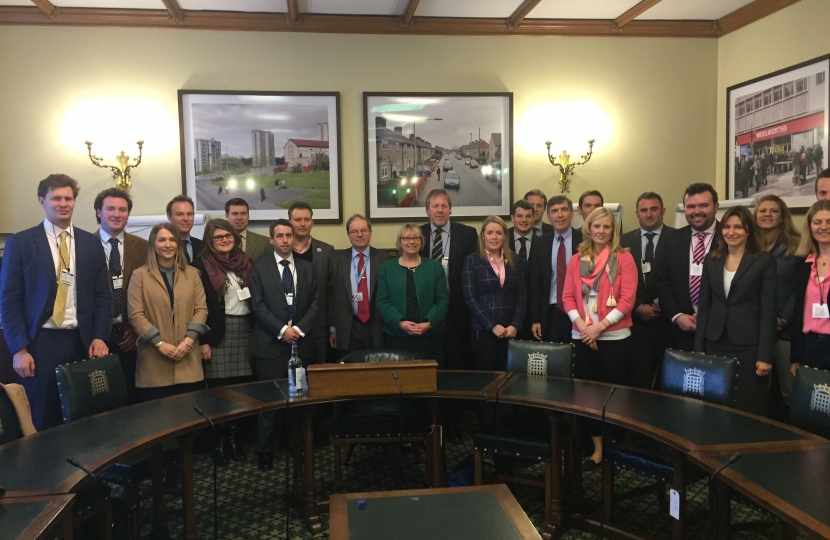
820,283
357,276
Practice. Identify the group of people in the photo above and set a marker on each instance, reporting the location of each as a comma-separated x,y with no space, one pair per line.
185,313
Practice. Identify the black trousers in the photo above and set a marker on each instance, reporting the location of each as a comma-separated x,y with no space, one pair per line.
128,361
816,351
610,363
159,392
558,326
753,391
457,347
682,341
266,369
489,353
649,342
361,335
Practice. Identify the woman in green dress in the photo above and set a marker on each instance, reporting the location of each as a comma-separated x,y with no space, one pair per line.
412,298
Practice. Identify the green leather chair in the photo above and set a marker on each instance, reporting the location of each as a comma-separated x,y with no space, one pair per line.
524,437
379,420
810,401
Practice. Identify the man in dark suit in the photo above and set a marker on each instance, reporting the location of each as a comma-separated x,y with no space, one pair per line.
549,258
679,267
284,300
181,213
520,238
238,215
354,321
317,252
124,252
55,298
450,243
649,328
539,201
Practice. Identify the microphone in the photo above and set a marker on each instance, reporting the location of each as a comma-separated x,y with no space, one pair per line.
400,423
498,427
498,388
215,503
602,477
604,405
74,462
287,457
713,503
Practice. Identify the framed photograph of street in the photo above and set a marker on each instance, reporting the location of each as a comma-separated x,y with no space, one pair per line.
269,148
417,142
776,133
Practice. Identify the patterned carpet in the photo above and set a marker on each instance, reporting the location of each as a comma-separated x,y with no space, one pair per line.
252,503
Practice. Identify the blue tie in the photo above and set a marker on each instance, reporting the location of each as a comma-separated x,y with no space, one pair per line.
288,287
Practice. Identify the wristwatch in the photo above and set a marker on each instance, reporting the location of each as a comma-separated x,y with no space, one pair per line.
159,344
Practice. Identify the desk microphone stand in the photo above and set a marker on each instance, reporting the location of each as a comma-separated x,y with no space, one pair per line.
215,503
602,476
400,424
498,425
713,506
287,457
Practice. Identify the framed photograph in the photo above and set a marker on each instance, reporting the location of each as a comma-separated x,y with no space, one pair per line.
269,148
776,133
415,143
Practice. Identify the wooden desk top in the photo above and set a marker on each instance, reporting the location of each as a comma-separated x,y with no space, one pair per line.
30,518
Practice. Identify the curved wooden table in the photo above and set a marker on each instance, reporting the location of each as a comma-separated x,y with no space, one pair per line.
703,433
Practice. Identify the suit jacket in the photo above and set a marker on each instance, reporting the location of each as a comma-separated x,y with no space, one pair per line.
135,256
747,314
671,265
28,285
491,303
271,309
463,242
322,254
540,273
198,245
646,292
150,315
511,237
256,245
802,272
339,287
430,287
215,308
547,228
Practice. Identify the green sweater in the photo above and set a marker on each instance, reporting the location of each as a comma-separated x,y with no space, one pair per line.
431,285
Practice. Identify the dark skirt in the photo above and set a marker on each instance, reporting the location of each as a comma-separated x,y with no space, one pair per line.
428,347
753,391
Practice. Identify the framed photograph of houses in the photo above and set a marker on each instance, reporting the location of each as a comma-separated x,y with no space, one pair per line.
461,142
776,133
269,148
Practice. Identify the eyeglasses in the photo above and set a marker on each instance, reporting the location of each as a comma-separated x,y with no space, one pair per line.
223,237
410,238
361,231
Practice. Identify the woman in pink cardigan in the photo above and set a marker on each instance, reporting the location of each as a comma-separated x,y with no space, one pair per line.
599,293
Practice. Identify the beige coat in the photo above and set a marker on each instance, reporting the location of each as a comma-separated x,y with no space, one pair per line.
150,315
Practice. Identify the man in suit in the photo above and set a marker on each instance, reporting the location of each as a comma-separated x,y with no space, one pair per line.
317,252
254,245
679,267
124,253
55,298
539,200
588,202
649,328
181,213
823,186
354,321
284,300
450,243
549,258
520,238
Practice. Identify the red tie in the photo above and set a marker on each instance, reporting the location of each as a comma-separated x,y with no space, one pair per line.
561,269
363,288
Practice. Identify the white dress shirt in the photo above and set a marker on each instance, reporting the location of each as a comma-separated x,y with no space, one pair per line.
105,241
657,233
518,245
70,317
293,269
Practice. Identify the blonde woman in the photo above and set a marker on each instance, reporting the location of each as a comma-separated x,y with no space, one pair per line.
599,293
166,304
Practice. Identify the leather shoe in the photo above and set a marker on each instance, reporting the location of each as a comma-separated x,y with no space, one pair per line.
589,465
265,462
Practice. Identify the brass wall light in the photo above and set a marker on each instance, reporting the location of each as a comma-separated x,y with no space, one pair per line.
120,172
565,165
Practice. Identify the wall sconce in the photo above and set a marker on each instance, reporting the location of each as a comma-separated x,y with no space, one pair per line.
566,167
120,172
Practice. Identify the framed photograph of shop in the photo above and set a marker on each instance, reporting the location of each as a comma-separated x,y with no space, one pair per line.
269,148
776,133
417,142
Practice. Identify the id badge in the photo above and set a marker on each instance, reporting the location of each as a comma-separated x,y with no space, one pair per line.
357,297
646,266
445,262
820,311
117,282
67,278
244,293
697,269
289,299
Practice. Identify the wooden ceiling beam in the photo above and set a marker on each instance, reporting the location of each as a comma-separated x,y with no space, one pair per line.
292,13
749,14
408,17
175,10
521,12
637,10
48,8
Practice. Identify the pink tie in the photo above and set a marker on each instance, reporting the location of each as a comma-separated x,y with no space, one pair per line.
697,257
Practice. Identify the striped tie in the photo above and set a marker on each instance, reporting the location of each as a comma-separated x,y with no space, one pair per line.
697,257
59,310
437,245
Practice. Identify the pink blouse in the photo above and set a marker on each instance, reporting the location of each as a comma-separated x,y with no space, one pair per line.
812,296
498,268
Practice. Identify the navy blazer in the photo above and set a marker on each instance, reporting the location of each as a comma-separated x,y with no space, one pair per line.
801,272
540,272
489,302
28,285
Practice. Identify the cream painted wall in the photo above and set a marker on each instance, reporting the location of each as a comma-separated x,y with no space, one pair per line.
790,36
660,95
